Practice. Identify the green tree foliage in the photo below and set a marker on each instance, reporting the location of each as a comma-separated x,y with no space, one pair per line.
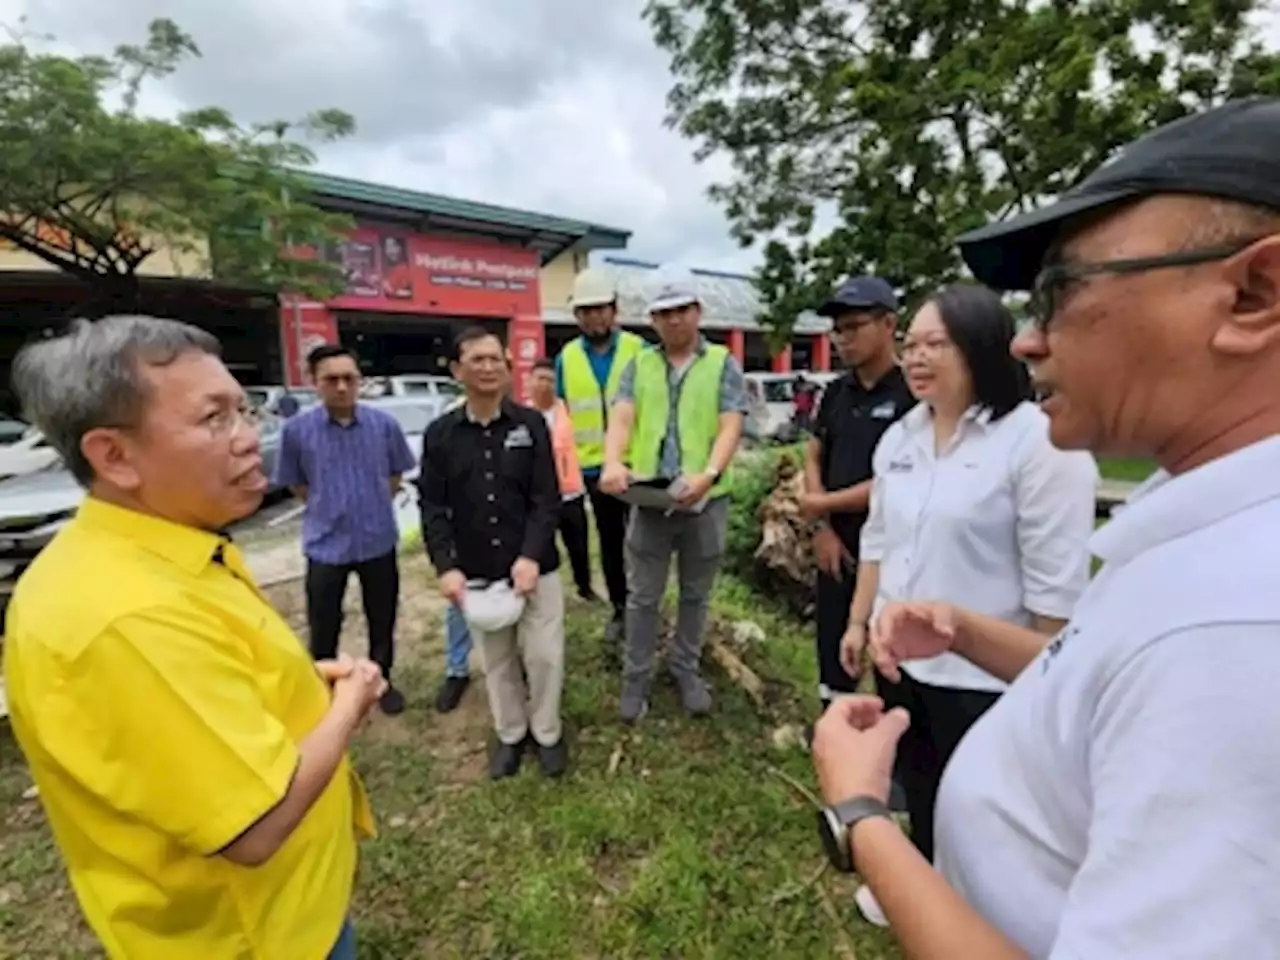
914,120
94,188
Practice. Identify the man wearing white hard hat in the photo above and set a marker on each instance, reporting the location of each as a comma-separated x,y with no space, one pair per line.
587,375
678,414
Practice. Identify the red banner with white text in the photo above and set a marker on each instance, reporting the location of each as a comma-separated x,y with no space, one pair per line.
404,272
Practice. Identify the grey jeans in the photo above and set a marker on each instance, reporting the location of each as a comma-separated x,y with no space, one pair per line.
697,540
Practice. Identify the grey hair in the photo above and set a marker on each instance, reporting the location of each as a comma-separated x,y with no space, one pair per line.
1226,221
92,376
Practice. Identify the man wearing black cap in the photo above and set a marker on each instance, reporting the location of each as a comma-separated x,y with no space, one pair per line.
1120,800
855,412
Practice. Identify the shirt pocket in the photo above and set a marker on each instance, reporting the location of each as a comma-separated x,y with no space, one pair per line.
516,465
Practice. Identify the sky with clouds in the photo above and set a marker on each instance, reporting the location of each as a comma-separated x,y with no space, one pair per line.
548,105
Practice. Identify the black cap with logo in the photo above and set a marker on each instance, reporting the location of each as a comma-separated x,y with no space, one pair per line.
1231,152
860,293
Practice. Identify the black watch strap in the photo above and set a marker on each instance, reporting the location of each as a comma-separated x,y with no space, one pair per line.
836,822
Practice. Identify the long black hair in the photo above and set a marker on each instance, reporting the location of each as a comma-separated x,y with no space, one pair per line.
982,328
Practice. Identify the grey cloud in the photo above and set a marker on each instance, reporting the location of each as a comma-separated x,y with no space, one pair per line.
552,105
400,66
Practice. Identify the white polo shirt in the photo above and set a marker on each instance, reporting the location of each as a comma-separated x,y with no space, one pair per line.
998,523
1122,800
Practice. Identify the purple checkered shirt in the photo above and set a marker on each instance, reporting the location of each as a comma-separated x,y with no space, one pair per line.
347,472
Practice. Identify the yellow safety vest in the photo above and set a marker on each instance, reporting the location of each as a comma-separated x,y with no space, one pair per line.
588,404
697,410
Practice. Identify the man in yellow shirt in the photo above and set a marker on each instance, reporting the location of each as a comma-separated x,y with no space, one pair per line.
190,757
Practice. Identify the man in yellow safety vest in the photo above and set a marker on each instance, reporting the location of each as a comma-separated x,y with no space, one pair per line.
678,412
587,374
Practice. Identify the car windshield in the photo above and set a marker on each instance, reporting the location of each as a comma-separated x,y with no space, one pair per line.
778,391
435,386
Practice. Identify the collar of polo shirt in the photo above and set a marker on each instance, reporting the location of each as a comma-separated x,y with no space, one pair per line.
189,548
1165,507
921,416
504,409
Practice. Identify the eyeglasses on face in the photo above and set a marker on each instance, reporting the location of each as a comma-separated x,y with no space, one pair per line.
228,421
1052,281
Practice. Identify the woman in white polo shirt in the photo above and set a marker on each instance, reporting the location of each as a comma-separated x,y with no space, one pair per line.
971,504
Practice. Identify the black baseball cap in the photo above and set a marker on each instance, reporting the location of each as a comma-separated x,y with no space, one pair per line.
1231,152
860,293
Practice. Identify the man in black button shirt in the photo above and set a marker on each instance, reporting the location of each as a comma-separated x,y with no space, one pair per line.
490,508
856,410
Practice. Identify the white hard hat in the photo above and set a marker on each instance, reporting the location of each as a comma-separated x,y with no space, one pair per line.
672,286
492,607
593,288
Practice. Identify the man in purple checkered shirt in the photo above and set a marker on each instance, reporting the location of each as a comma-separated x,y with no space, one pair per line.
345,459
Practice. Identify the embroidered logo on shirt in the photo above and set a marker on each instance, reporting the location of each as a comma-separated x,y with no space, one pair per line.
1054,646
519,437
900,466
884,412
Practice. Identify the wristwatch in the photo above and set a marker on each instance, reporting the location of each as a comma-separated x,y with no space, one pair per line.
836,822
713,473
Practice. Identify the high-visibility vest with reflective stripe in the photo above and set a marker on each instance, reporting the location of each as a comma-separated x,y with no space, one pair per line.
697,404
588,404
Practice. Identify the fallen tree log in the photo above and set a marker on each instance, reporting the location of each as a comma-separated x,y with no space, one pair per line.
738,672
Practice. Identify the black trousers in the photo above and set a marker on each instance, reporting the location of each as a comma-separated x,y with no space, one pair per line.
832,619
611,527
573,533
380,590
940,716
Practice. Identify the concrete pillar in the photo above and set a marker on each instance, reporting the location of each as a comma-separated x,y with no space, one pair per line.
821,353
738,345
782,361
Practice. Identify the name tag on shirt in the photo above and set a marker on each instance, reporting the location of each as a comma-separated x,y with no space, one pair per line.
884,412
519,437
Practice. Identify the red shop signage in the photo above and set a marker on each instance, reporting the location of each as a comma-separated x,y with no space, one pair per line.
389,270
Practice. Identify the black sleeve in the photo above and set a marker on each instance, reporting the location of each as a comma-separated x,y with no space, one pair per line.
822,421
433,501
544,496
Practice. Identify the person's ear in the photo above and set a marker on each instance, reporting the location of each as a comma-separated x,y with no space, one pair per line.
110,454
1253,323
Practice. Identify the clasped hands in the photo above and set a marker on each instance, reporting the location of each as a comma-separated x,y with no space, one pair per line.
356,683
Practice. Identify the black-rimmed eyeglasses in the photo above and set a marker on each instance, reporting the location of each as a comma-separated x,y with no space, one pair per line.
1051,281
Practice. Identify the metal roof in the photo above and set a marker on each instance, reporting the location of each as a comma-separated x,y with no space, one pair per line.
728,299
430,212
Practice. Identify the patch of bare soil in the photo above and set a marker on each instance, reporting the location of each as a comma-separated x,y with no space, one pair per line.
419,636
459,739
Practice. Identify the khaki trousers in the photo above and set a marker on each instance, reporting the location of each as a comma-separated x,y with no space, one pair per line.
533,648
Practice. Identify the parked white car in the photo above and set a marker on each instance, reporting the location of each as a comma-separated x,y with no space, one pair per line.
268,398
421,385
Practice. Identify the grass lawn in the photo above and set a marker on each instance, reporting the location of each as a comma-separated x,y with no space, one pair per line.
679,839
1131,471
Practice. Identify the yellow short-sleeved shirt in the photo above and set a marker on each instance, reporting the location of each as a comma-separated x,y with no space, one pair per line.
159,700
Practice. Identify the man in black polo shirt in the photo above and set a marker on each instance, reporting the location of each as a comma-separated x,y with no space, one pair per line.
856,410
490,508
